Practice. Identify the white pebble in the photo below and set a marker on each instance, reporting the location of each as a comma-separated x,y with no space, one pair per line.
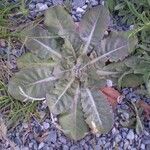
46,125
103,3
130,135
25,125
131,27
142,146
109,83
41,145
84,7
41,6
80,10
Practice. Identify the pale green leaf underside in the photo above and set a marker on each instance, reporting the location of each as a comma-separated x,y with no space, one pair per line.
59,21
74,130
31,83
93,26
59,99
40,42
30,59
116,40
97,111
73,123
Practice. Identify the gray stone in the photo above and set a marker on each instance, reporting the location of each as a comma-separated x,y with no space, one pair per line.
78,3
74,147
143,146
30,145
126,144
31,6
41,6
48,3
94,2
25,125
118,138
46,125
80,10
52,136
65,147
25,148
130,135
41,145
63,140
57,2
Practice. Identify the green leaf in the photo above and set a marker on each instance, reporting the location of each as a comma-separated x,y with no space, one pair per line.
148,86
93,26
40,42
59,100
98,113
129,79
73,123
30,59
59,21
32,83
116,41
114,48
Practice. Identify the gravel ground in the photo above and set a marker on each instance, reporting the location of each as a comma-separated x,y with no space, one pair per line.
44,135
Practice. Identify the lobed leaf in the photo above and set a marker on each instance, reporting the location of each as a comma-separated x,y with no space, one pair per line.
116,41
93,26
59,99
98,113
73,123
41,42
59,21
30,59
129,79
32,83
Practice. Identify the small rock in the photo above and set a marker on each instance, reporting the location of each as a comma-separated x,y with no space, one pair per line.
84,7
62,140
118,138
126,144
130,135
41,6
57,2
46,125
52,136
78,3
2,43
94,2
80,10
74,147
65,147
25,148
41,145
48,3
142,146
30,145
103,3
25,125
32,6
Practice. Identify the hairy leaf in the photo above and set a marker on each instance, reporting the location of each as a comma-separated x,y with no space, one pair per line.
30,59
129,79
59,100
41,42
93,26
58,21
98,112
32,83
73,123
118,45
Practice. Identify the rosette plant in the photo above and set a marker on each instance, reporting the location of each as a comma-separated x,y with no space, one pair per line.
66,67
